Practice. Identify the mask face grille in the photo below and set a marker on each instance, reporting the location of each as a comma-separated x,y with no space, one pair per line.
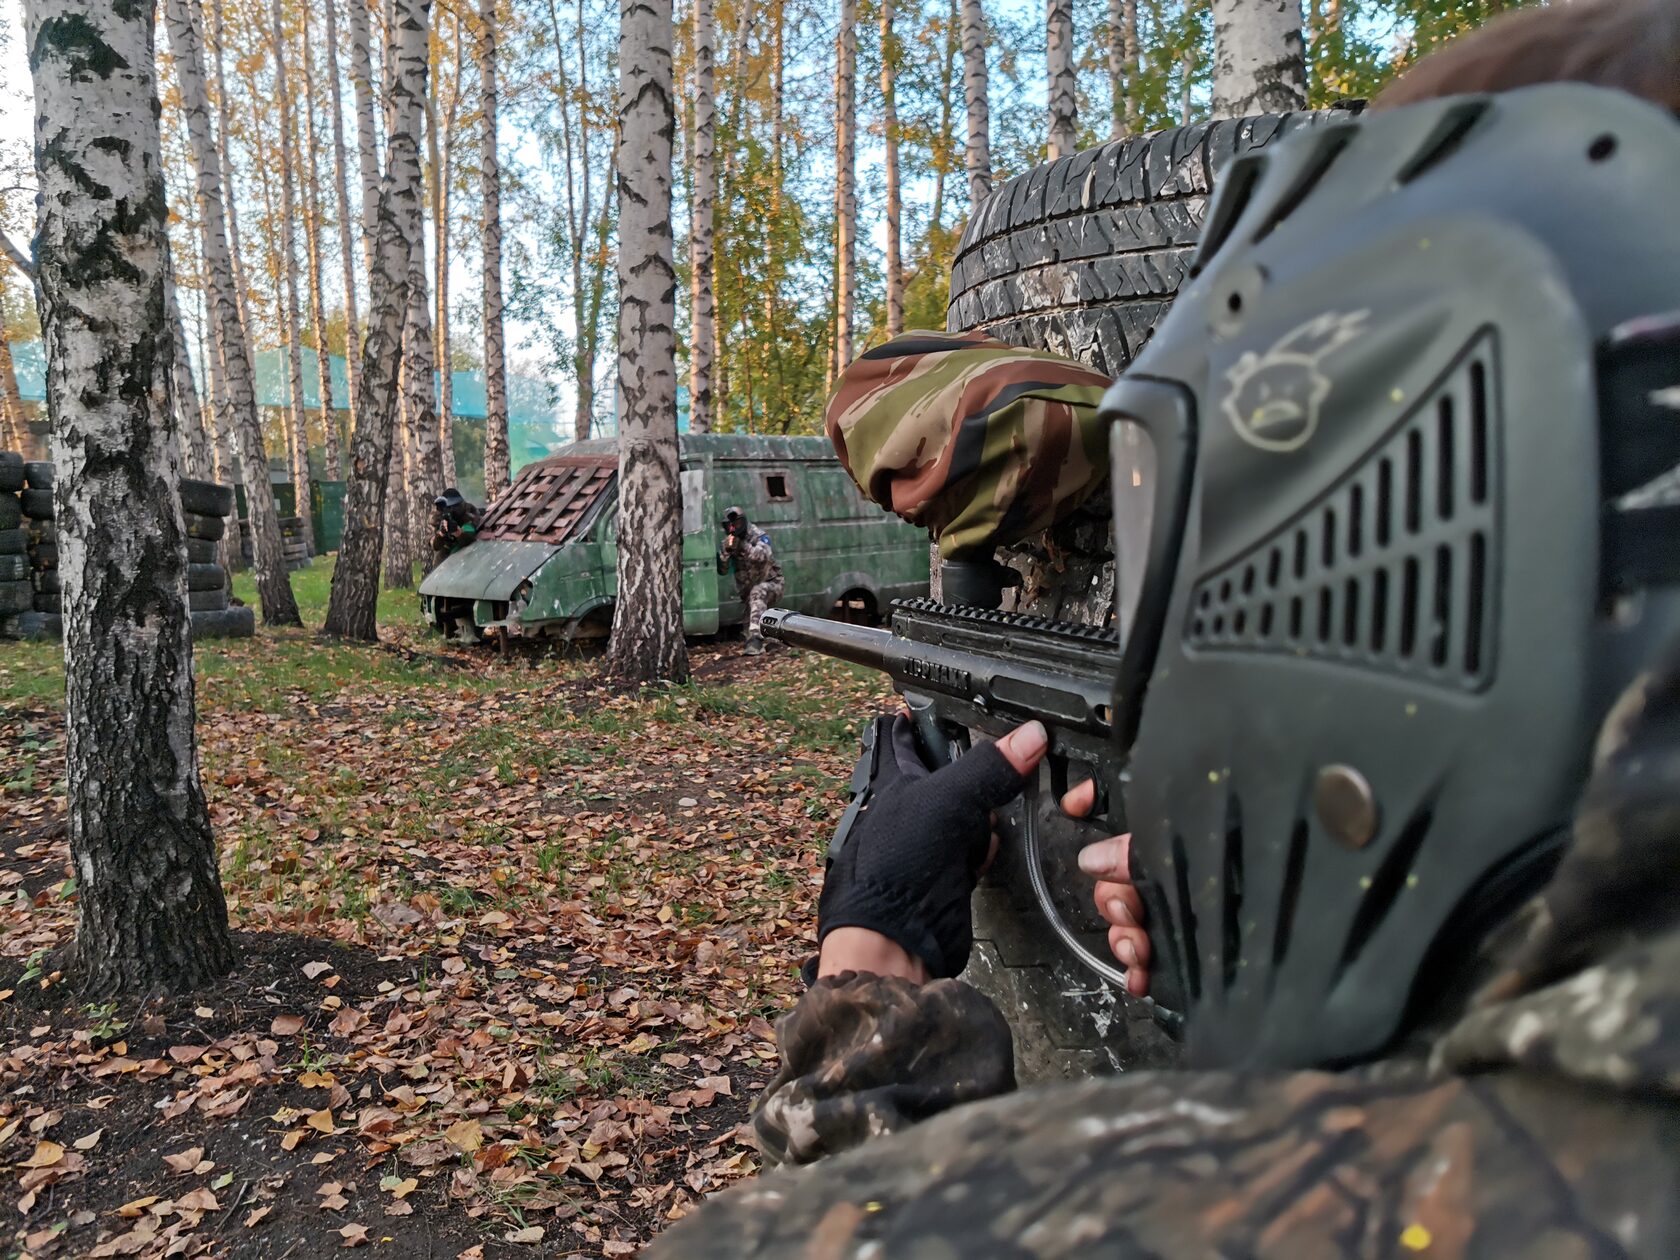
1391,569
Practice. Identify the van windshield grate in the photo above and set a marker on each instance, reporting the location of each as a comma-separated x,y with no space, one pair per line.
550,499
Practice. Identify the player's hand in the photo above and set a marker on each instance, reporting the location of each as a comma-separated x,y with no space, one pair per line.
897,899
1116,897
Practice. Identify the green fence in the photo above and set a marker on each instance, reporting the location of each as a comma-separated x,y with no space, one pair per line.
326,517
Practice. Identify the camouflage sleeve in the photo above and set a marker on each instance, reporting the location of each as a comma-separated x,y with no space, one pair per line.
1192,1164
756,557
866,1055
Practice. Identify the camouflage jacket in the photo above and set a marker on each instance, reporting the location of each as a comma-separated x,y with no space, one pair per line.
1546,1122
983,443
753,560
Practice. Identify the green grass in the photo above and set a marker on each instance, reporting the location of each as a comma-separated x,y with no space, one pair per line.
272,670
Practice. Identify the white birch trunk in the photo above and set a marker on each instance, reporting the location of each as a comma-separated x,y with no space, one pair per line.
352,611
439,150
1064,100
297,417
195,443
1259,63
150,910
845,185
314,230
224,142
367,149
1122,68
426,479
889,133
978,155
647,631
274,590
346,233
703,166
497,467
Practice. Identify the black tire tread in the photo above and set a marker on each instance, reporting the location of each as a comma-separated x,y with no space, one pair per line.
1082,256
229,623
206,577
11,511
208,601
14,542
16,597
38,473
206,498
37,503
206,527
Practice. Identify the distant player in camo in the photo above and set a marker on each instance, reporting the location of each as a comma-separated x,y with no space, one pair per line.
758,577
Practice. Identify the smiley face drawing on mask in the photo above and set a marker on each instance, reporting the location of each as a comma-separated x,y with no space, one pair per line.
1275,397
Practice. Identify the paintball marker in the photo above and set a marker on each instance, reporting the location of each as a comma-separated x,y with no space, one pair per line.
964,670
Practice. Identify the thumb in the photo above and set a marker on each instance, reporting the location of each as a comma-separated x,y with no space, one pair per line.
1023,748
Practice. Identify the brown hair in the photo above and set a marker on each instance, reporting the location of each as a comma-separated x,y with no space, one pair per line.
1633,45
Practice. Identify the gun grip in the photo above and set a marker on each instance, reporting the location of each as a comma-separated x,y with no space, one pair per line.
938,743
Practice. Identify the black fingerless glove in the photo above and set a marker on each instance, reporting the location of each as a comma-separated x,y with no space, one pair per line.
909,867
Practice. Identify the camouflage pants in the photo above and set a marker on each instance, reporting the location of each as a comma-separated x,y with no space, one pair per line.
759,598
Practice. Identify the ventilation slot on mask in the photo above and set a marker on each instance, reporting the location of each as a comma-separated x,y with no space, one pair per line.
1394,568
1384,890
1189,948
1232,892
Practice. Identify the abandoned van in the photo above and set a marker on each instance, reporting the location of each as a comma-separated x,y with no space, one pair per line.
545,561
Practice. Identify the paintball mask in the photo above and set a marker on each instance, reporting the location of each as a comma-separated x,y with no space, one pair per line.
734,521
1391,536
451,504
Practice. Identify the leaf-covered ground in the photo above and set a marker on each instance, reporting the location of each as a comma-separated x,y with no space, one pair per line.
512,944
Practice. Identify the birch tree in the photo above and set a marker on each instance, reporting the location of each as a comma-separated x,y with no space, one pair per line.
314,229
195,443
367,152
889,134
274,589
346,233
1122,68
845,185
425,479
290,322
1259,60
440,145
149,900
977,158
497,465
1064,100
703,167
647,632
352,608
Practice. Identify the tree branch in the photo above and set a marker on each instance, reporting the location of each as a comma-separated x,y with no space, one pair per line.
17,257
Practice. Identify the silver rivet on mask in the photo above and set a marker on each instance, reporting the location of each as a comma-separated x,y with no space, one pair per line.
1346,806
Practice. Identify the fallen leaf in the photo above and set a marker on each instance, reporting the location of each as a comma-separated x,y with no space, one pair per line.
313,969
321,1121
400,1187
465,1136
286,1025
134,1207
530,1234
185,1161
90,1141
49,1153
354,1235
256,1216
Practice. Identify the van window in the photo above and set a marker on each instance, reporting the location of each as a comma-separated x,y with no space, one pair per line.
776,487
748,488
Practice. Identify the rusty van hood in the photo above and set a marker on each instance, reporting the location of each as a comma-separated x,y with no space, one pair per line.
491,568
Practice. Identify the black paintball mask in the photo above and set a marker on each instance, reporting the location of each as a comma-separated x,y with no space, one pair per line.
452,505
734,522
1391,533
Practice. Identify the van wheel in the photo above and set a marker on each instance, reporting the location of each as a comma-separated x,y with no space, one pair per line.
856,607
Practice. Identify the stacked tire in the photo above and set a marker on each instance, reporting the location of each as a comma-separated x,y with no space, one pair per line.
205,508
17,593
36,500
294,543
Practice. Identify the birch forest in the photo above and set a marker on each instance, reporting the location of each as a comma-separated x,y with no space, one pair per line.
826,155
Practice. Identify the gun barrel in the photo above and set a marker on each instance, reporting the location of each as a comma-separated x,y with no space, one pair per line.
1004,689
857,644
